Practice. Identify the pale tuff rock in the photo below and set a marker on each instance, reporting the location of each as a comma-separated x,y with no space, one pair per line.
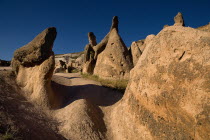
205,28
115,61
136,52
137,48
165,26
34,64
101,46
89,62
60,67
178,20
168,93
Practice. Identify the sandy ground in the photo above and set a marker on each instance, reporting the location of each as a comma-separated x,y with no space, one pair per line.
84,113
74,87
5,68
86,109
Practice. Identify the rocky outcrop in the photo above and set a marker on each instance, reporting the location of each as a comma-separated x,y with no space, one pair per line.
168,93
34,64
89,61
92,50
101,46
60,67
92,39
115,61
137,48
178,19
135,52
165,26
204,28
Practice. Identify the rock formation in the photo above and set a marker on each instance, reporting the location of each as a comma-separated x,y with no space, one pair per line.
115,61
165,26
89,62
92,39
137,48
135,52
205,27
101,46
178,19
92,50
33,65
60,67
168,93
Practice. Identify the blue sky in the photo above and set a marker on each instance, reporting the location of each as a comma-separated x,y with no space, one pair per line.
22,20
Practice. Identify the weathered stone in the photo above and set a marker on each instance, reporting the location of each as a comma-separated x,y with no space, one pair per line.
60,67
205,28
101,46
92,39
178,20
34,64
135,52
168,93
114,61
89,66
88,53
165,26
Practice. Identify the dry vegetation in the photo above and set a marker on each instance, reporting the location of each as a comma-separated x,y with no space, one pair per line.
119,85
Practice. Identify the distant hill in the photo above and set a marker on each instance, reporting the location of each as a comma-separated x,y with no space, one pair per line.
4,63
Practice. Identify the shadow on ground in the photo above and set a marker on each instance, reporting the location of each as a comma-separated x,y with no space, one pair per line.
96,94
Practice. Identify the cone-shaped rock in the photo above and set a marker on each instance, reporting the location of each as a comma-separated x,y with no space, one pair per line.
34,64
101,46
115,60
178,20
168,93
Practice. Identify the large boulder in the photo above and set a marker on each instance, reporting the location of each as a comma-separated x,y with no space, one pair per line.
168,94
115,60
34,64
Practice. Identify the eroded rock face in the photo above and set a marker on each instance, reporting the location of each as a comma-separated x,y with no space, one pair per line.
178,20
136,52
34,64
115,60
102,45
92,39
168,93
205,28
60,67
92,50
89,62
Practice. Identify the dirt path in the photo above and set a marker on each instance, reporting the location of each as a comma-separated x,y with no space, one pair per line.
86,110
84,114
74,87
